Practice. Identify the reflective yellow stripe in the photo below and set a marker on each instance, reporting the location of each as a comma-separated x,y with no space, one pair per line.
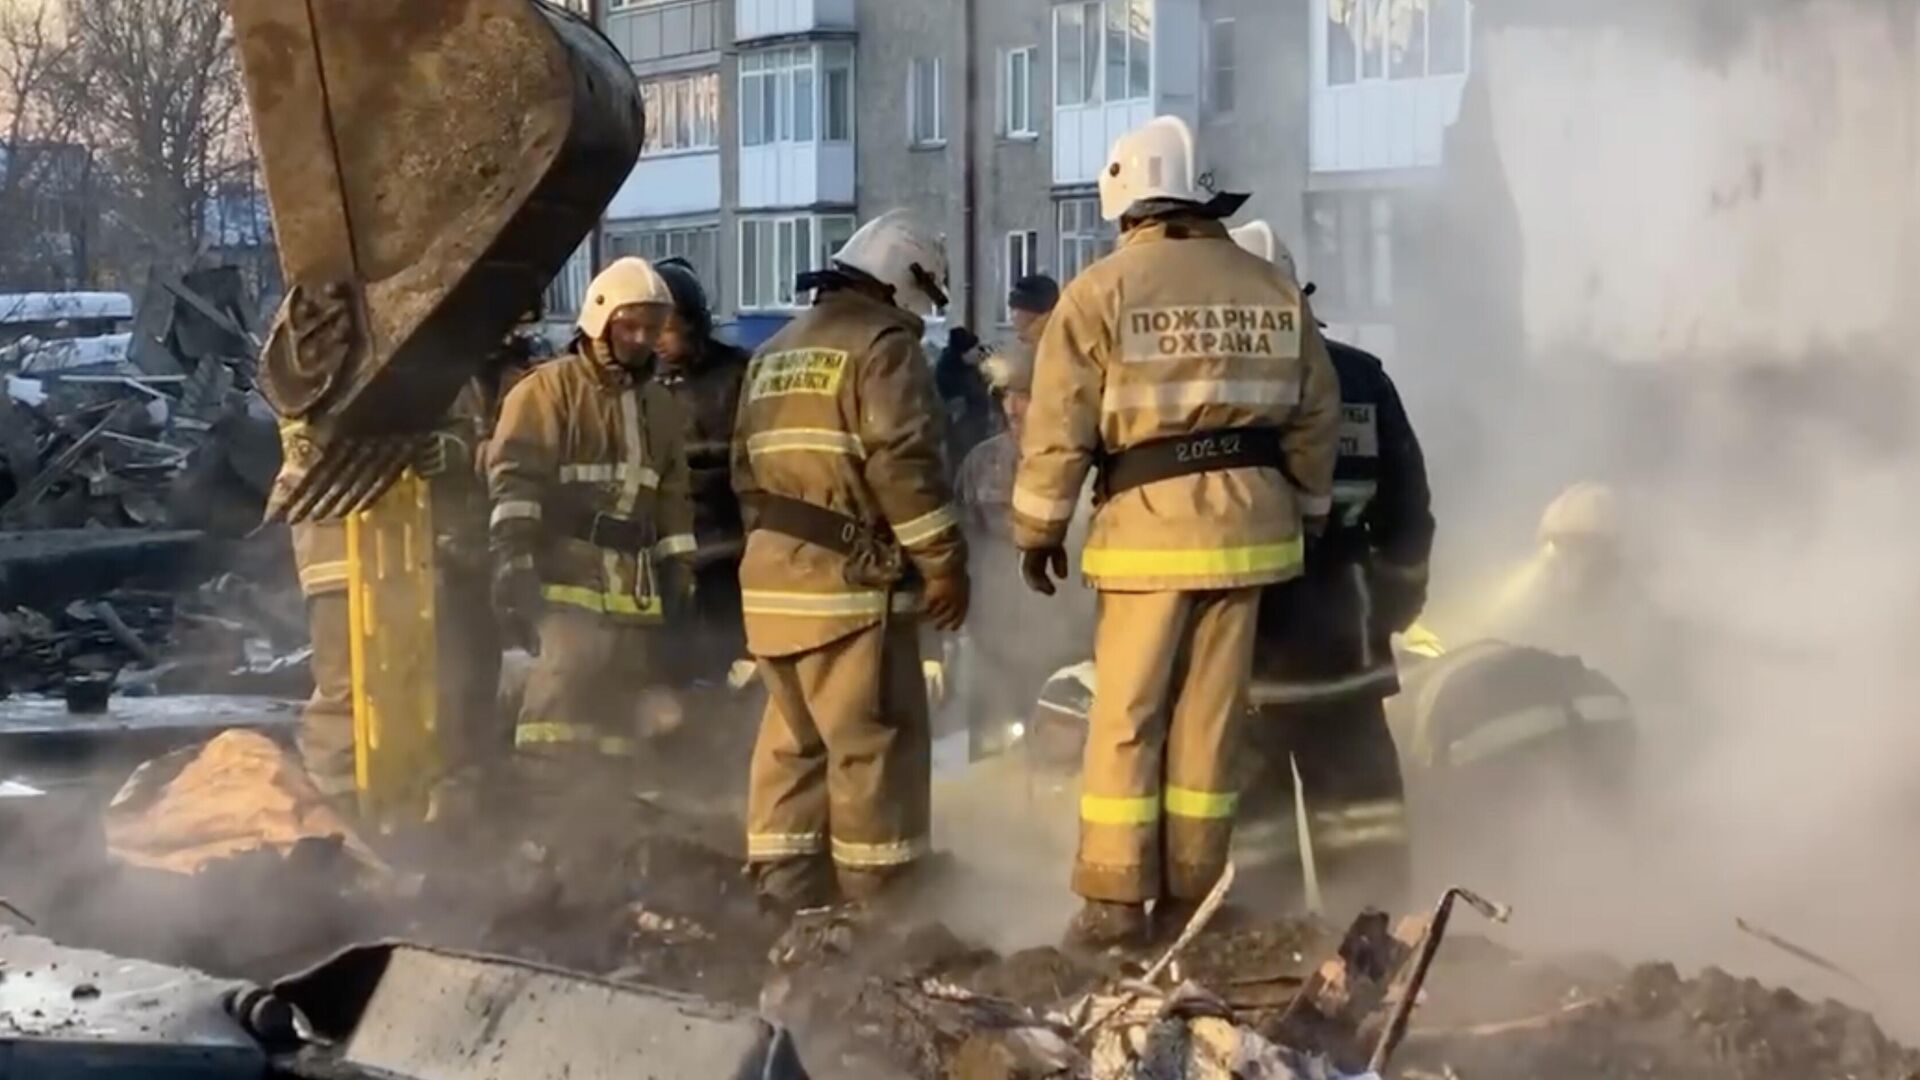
893,853
548,733
601,473
1040,508
1191,803
784,845
677,544
1196,562
599,602
805,440
516,510
1119,809
926,527
322,576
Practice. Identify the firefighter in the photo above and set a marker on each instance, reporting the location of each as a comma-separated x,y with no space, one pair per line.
837,461
704,375
1324,666
591,515
1188,372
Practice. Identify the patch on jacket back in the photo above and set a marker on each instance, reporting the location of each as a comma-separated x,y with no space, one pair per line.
796,371
1359,435
1222,331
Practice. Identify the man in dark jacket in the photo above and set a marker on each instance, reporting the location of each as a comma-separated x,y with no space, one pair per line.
971,416
704,375
1324,665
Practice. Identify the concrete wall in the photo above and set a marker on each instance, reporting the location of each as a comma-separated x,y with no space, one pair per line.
889,172
1014,173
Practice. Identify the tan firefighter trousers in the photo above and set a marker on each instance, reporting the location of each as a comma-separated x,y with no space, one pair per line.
843,766
326,723
584,691
1158,787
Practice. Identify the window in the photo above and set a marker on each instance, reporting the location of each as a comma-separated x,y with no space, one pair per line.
570,285
925,120
1016,94
682,113
1084,237
657,29
1022,258
796,95
836,93
1103,51
1351,243
1218,87
776,250
699,244
1076,52
1387,39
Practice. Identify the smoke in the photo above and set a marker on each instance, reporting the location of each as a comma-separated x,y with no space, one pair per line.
1708,230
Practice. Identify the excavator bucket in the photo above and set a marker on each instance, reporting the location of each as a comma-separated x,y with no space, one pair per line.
431,165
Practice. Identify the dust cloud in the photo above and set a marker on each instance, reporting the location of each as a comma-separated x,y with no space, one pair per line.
1694,229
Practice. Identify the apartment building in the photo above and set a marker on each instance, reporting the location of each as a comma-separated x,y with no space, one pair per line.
776,126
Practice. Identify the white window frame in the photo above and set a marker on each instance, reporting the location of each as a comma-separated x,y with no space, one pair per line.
1019,257
694,97
1365,11
806,246
797,74
938,136
1090,238
1097,18
1016,93
667,240
1210,70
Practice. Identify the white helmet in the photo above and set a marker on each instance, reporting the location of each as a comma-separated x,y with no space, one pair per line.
1585,511
897,249
629,280
1153,161
1259,238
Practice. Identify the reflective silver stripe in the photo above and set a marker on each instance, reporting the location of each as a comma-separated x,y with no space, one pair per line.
1314,505
1410,574
1193,393
1382,821
805,440
607,474
1040,508
677,544
1277,692
818,605
784,845
709,446
1603,708
635,475
1366,616
892,853
926,527
515,510
1507,732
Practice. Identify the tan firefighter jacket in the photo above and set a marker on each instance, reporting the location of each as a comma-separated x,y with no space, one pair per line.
838,410
458,493
1177,333
578,442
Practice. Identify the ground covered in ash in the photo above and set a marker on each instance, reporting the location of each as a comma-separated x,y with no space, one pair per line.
646,897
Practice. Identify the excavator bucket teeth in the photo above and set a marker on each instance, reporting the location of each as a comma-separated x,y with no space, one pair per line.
431,167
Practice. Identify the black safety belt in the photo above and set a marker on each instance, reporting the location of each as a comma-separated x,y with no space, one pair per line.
628,536
1207,451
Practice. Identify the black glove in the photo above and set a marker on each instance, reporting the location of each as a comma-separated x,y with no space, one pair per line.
1398,596
516,601
1039,566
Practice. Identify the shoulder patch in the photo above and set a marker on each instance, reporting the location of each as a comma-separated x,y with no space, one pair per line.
1207,332
796,371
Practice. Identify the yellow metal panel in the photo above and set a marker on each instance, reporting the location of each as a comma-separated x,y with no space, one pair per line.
390,557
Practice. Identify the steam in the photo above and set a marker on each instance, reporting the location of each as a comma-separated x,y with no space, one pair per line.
1713,232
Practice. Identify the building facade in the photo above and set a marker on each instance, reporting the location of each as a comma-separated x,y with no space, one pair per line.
776,126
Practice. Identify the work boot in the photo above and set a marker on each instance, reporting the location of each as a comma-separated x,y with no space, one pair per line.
786,886
1103,924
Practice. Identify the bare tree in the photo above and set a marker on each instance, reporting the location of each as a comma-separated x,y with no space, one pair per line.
160,86
46,204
